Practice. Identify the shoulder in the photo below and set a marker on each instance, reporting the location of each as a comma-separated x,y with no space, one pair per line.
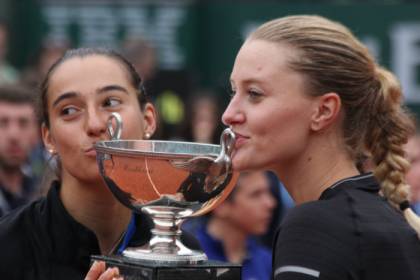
318,225
14,223
15,228
262,254
321,215
258,263
318,237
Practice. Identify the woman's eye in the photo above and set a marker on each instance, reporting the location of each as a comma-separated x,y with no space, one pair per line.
232,93
112,102
68,111
254,95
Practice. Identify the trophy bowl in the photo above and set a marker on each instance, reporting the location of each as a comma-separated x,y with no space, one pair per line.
168,180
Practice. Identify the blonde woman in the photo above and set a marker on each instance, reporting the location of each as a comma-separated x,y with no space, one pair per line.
309,101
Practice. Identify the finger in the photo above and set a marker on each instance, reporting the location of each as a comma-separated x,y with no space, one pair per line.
109,274
95,271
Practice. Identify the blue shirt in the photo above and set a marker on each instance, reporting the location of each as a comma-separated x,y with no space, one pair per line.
416,207
257,263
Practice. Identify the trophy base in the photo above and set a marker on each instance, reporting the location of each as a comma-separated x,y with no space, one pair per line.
132,269
186,257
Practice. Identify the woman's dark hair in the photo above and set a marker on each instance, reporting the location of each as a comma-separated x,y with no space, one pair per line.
134,77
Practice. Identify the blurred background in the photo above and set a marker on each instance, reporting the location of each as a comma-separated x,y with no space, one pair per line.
184,47
184,51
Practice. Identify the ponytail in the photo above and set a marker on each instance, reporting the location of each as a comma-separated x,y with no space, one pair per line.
387,133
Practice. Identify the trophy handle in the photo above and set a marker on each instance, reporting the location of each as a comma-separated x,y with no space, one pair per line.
227,142
115,134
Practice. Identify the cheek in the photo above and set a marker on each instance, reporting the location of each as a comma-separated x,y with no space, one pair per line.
277,118
66,147
133,125
283,133
133,131
249,218
27,142
65,138
245,212
289,126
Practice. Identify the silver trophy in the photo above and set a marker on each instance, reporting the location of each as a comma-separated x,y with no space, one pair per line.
168,180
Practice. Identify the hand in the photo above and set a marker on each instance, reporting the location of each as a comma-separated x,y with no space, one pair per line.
98,272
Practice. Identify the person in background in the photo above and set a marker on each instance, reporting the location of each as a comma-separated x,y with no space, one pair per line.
143,56
283,203
31,77
18,136
8,74
48,53
229,233
203,124
413,174
54,237
168,88
308,99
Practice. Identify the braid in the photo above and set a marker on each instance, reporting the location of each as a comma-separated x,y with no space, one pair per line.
388,131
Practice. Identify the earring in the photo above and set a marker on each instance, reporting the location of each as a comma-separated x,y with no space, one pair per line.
147,135
51,151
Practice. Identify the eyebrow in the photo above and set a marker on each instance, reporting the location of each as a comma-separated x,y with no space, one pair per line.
104,89
112,88
64,96
246,81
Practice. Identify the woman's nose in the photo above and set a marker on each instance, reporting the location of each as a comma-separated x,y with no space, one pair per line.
96,123
233,114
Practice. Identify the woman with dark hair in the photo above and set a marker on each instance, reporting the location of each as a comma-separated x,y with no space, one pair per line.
54,237
308,102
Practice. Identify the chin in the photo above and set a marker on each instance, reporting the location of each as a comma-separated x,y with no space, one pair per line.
93,177
240,163
239,167
244,165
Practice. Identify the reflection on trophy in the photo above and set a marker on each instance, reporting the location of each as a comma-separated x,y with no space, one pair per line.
170,181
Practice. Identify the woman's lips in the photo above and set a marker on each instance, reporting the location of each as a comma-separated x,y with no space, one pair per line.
90,152
240,140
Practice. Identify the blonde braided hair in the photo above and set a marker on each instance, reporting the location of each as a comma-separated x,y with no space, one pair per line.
388,132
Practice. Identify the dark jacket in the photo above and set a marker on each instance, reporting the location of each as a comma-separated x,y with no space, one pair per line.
42,241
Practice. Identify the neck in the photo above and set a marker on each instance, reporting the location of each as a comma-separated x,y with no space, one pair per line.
233,239
11,179
94,206
318,168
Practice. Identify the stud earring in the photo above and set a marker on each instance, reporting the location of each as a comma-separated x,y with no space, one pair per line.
147,135
51,151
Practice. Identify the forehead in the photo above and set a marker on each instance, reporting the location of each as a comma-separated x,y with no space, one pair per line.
16,109
85,73
262,59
